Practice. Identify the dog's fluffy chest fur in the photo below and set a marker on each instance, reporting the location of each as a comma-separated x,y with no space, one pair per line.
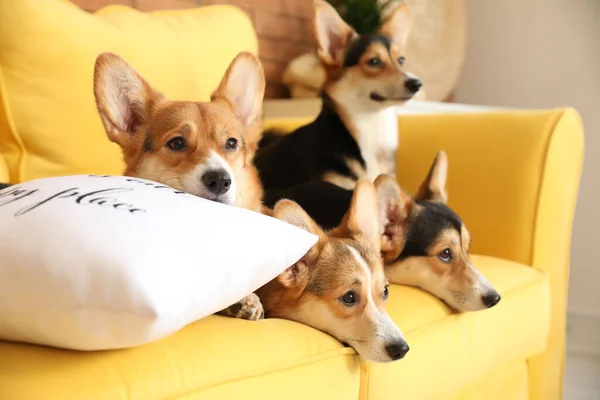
336,148
377,136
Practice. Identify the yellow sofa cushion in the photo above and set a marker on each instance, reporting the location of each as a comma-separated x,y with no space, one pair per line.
219,358
49,124
4,175
214,358
450,351
505,382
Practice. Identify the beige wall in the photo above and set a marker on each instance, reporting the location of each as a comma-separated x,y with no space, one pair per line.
546,53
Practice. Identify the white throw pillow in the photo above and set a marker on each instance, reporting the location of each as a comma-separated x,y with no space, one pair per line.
103,262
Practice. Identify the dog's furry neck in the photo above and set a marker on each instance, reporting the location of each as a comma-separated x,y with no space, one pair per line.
373,127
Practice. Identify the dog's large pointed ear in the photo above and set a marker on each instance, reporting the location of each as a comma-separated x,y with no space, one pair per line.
395,207
243,88
433,188
298,274
398,24
362,218
123,98
332,34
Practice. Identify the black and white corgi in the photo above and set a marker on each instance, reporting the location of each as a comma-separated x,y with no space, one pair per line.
356,133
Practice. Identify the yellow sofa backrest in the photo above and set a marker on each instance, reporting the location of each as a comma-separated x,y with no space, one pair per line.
49,124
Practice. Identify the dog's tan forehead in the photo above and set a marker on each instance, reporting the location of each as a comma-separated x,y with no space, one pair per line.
375,49
343,264
447,237
466,237
349,255
172,115
218,118
207,119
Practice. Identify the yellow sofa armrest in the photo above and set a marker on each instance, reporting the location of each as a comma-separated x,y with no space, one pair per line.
513,178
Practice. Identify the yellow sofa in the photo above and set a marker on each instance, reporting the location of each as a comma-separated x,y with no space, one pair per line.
514,179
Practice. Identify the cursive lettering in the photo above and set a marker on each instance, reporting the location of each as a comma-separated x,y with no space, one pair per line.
97,197
15,194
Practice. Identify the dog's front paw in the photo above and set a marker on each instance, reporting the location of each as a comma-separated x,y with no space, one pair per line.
249,308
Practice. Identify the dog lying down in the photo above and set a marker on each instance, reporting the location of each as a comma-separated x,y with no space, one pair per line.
435,256
339,286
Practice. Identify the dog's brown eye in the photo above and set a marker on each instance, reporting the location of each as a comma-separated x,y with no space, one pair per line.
374,62
401,60
386,292
231,144
176,144
350,298
445,255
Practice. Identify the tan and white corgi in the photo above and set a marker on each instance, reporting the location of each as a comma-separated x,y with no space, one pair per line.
202,148
339,286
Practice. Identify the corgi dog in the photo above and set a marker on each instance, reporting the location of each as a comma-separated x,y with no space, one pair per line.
356,133
202,148
339,286
435,256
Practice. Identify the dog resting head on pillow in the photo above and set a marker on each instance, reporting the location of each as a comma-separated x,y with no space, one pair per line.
202,148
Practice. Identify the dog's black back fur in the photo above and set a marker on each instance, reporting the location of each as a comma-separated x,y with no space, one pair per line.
304,155
325,202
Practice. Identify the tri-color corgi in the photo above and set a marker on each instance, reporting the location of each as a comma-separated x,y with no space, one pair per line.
339,286
356,133
435,256
205,149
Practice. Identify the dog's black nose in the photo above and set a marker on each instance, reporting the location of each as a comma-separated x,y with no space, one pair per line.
217,181
397,350
413,85
490,299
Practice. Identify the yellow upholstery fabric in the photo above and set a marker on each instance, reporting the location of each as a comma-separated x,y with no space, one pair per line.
4,173
218,358
503,383
200,360
48,120
452,351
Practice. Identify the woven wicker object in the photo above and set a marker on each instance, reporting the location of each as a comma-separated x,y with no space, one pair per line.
435,51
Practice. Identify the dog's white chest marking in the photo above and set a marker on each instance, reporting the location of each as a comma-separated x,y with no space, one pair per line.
377,136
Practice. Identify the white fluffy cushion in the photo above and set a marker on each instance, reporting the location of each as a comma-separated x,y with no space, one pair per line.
103,262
